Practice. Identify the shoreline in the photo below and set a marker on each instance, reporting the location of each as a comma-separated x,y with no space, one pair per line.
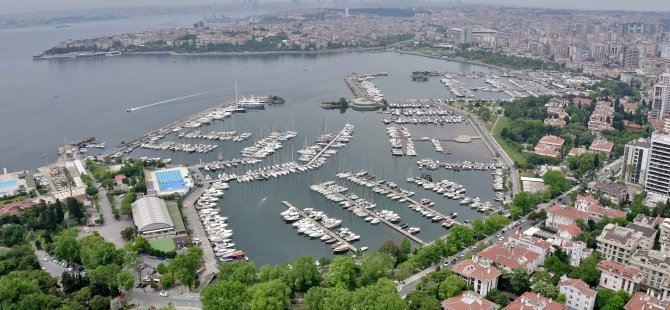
463,60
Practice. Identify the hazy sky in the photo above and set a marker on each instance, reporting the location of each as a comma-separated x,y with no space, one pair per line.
14,6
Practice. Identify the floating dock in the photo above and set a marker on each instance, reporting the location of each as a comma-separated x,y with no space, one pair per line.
327,230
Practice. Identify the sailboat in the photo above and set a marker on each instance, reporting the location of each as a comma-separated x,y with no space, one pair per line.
251,103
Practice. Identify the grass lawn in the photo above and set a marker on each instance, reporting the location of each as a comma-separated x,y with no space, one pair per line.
165,245
511,152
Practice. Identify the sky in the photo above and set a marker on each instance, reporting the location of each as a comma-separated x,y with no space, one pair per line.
16,6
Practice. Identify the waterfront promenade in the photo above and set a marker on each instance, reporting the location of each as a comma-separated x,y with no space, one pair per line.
198,231
491,144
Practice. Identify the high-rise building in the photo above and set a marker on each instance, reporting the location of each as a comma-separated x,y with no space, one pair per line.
661,101
635,161
657,183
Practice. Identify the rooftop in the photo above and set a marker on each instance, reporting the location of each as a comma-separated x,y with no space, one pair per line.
504,254
552,140
474,269
621,235
643,301
619,270
151,213
569,212
534,301
468,301
577,284
602,146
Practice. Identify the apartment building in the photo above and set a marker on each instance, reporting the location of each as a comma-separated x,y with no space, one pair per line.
618,277
578,294
617,244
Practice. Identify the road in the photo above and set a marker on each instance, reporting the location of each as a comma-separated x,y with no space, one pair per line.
198,231
491,144
409,284
185,301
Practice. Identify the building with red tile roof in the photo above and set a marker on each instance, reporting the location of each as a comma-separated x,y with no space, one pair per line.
578,294
642,301
534,301
480,275
549,146
531,243
618,277
468,301
563,215
601,145
577,151
15,207
552,140
591,205
508,257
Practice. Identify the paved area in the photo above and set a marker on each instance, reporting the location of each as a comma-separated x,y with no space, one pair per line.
52,268
111,229
198,231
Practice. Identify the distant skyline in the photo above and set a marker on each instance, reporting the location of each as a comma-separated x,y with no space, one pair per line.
12,6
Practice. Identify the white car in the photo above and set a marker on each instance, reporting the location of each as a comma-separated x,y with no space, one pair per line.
163,293
44,259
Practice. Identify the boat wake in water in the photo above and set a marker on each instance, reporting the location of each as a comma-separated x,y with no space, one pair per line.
260,203
169,100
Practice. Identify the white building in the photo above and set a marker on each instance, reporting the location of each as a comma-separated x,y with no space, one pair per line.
537,245
578,294
152,218
665,236
618,277
480,275
657,183
617,244
660,103
564,215
636,161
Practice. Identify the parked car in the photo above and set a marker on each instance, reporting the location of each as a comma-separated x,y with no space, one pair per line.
163,293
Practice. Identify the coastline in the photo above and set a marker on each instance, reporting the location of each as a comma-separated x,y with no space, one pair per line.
458,59
325,51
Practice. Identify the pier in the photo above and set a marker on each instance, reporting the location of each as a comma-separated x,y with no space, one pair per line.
327,230
410,200
132,144
383,220
326,148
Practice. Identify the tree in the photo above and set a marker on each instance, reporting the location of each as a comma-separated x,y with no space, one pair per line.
497,297
519,281
451,286
460,237
304,274
66,246
418,300
95,251
381,295
12,234
269,295
58,211
128,233
338,298
405,249
343,273
185,265
125,281
588,270
390,247
99,303
430,284
556,182
546,289
522,204
225,295
314,298
240,271
373,267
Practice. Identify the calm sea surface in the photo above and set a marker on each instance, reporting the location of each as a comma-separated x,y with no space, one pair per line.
43,102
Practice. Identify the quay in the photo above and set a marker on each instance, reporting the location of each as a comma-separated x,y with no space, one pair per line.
326,148
355,87
132,144
327,230
410,200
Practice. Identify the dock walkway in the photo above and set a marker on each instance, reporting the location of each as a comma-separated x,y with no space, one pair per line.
412,201
383,220
327,230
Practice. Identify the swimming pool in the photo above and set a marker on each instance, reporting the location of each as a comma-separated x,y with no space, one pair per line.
170,180
6,184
